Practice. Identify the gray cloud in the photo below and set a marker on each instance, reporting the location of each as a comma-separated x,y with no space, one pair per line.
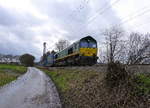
74,16
7,18
24,32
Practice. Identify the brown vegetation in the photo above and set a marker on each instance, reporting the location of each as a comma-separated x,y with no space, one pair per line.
91,87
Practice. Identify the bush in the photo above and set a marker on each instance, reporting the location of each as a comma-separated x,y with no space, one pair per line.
27,59
143,84
123,88
116,75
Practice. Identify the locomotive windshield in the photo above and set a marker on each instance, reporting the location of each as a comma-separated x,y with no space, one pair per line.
84,44
87,44
92,45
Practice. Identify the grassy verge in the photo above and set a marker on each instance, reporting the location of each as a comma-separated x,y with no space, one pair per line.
14,68
9,73
85,87
71,83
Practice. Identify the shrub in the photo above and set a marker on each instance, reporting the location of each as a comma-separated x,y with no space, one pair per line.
143,84
116,75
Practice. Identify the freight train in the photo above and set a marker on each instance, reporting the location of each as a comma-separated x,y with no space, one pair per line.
82,52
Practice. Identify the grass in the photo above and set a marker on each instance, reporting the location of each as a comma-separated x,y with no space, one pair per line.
6,78
143,84
9,73
66,78
69,80
14,68
84,87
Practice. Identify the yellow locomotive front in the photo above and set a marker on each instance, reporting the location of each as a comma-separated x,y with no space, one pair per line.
88,50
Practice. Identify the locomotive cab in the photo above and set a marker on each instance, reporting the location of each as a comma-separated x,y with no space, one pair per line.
88,50
88,46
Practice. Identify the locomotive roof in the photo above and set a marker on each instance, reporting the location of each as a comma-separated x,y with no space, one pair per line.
88,37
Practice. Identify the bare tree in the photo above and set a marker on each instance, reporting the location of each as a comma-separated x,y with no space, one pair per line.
102,53
114,44
62,44
138,48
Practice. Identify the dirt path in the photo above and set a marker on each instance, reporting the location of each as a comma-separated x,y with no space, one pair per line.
32,90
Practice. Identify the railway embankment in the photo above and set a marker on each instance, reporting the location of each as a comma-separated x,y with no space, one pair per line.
86,87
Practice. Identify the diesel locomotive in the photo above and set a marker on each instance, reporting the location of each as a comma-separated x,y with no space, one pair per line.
82,52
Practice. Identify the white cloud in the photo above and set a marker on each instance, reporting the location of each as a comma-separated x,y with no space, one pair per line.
133,14
23,6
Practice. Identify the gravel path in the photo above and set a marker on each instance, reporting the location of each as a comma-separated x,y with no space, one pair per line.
32,90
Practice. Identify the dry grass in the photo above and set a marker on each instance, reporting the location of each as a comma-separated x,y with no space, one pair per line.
6,78
92,87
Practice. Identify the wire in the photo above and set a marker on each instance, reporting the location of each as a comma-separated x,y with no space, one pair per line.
134,16
135,12
99,12
140,25
131,17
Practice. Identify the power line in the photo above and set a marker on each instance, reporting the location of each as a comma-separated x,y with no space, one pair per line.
124,21
140,25
146,7
134,16
130,17
99,12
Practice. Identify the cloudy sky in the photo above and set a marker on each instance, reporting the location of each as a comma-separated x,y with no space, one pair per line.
26,24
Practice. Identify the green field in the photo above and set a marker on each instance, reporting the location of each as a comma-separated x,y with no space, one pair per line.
9,73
